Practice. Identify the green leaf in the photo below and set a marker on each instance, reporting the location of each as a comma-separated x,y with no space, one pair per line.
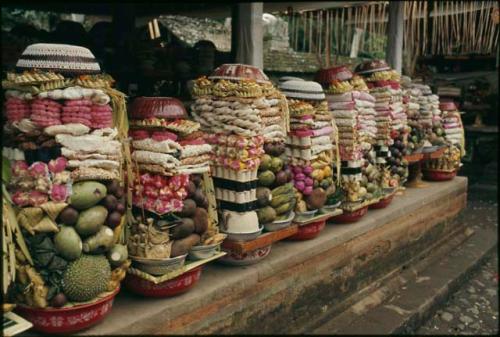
6,171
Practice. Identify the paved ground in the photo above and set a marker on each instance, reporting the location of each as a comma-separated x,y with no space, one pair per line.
473,309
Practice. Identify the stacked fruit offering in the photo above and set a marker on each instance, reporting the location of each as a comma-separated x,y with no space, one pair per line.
66,173
425,116
452,124
417,132
275,199
177,148
229,105
173,231
386,88
352,106
310,144
171,208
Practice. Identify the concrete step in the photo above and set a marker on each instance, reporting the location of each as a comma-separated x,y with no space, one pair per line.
300,281
401,304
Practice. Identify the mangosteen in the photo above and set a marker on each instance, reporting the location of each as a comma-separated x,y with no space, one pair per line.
191,189
120,208
113,187
199,197
120,192
196,179
69,216
114,219
110,202
59,300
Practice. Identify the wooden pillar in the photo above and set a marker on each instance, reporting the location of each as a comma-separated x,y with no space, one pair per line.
249,34
123,30
394,52
234,32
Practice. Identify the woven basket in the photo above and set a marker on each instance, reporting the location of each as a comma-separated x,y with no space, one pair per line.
157,107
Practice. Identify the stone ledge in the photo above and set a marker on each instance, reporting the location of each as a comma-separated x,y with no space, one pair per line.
224,291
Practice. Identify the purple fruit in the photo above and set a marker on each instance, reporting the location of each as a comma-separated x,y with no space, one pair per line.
297,169
307,190
300,176
308,170
120,208
300,185
309,181
281,178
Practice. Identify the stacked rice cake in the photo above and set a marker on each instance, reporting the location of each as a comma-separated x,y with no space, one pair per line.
235,114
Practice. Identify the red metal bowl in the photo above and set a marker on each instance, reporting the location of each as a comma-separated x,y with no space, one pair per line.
382,203
327,76
350,217
67,320
159,107
239,72
308,232
436,175
175,286
244,259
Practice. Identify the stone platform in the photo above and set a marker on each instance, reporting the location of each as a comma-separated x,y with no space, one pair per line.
290,290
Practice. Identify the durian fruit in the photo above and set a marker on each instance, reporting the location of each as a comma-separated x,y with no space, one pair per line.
86,278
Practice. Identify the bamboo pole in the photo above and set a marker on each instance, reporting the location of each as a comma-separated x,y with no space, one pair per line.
327,40
337,32
425,26
310,31
487,29
296,39
494,33
365,26
349,28
482,26
341,35
304,21
331,31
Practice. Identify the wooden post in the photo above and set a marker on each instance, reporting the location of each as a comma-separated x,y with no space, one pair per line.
234,32
394,52
123,30
249,34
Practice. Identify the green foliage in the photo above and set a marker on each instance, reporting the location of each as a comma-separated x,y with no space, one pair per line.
12,17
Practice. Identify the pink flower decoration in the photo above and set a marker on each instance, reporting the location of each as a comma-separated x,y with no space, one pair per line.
37,198
59,193
58,165
21,198
19,168
38,169
177,204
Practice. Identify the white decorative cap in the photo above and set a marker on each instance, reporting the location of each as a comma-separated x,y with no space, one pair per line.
289,78
307,90
62,58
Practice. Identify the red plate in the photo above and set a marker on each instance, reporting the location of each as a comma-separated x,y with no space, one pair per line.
309,231
157,107
326,76
436,175
175,286
238,72
382,203
67,320
244,259
350,217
